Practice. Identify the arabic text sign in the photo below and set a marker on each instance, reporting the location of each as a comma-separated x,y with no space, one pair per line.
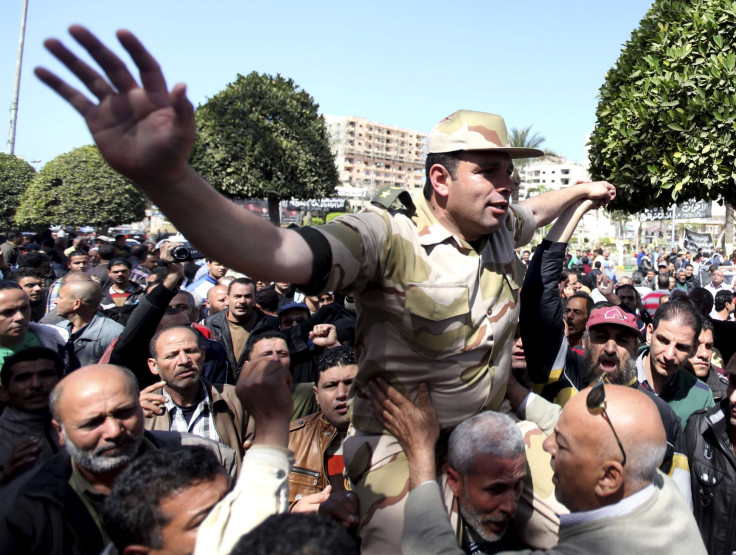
689,209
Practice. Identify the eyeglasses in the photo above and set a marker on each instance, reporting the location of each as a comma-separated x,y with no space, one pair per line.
596,401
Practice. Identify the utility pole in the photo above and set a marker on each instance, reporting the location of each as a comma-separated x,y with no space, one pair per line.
19,62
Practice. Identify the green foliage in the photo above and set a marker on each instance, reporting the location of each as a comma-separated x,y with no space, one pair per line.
15,177
262,137
332,215
665,129
80,188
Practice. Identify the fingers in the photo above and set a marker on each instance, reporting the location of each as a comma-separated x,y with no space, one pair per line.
113,66
153,387
96,84
151,76
77,100
423,396
341,506
322,495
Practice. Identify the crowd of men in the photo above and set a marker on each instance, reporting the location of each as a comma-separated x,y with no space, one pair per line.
398,380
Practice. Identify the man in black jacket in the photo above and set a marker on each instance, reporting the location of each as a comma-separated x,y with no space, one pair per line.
243,318
709,445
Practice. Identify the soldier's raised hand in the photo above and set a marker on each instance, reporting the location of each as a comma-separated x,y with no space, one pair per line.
143,130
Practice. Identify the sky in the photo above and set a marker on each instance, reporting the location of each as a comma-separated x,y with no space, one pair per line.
404,63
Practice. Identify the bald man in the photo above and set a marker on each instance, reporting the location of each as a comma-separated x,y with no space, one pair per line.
605,449
99,420
90,331
216,299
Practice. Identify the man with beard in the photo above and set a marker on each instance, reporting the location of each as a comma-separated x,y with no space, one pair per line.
610,344
99,420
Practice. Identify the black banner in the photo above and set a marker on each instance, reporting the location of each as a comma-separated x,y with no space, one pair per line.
695,240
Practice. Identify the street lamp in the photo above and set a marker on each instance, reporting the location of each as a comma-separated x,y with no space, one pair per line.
14,103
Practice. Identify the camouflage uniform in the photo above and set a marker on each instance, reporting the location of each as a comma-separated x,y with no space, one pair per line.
430,309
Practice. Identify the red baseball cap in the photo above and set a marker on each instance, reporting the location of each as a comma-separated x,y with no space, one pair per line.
612,315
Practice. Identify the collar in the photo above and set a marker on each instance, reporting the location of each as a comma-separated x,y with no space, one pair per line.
641,374
624,507
15,416
130,289
205,401
430,230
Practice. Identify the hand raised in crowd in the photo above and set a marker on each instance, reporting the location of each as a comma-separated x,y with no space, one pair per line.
324,335
264,389
343,507
144,132
414,425
568,291
152,403
605,285
21,458
175,272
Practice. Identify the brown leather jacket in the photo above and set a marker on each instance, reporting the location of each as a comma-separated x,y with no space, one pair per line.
309,438
232,423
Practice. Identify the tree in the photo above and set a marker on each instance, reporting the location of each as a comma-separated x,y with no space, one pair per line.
523,138
15,177
262,137
80,188
665,119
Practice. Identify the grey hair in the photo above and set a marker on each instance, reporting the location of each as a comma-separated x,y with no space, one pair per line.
642,460
487,433
58,391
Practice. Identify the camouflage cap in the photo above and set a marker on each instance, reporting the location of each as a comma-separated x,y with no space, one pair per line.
468,130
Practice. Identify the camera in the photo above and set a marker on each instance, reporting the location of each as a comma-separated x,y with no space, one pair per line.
185,254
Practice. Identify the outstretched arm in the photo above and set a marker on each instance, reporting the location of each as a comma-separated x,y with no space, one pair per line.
146,132
541,305
548,206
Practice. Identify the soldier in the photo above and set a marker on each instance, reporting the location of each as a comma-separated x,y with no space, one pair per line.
436,287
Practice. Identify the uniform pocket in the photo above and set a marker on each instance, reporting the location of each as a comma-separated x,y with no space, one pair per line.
439,316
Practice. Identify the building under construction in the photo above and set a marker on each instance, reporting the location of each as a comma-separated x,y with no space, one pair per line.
372,155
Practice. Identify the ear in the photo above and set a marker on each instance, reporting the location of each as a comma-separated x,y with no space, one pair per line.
455,481
650,332
611,481
152,366
4,396
57,427
314,390
441,180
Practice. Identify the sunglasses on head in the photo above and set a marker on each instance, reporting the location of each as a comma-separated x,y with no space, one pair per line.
596,401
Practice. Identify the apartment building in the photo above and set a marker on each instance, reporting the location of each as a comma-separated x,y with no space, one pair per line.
372,155
549,174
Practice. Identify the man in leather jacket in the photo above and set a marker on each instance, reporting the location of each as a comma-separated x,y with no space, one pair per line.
709,445
317,439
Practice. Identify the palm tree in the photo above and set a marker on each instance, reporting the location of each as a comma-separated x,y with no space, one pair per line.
523,138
